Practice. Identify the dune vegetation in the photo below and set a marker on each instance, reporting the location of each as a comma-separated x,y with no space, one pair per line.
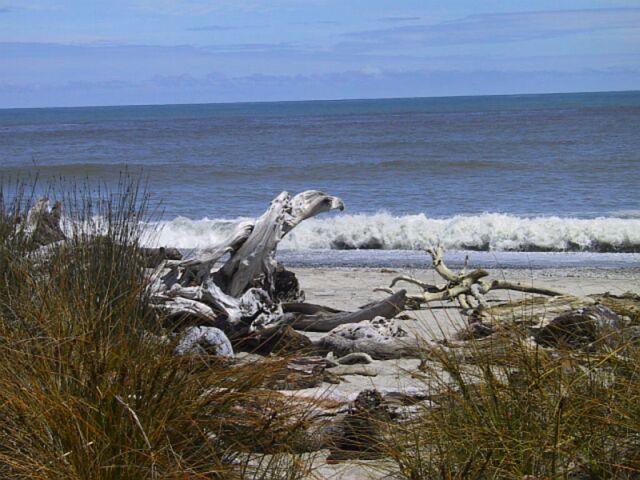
92,387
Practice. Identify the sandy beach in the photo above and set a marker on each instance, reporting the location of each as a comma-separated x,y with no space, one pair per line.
324,240
349,288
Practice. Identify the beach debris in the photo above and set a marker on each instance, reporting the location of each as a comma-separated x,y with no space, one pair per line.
358,358
380,338
361,436
277,340
532,311
42,224
204,341
253,263
247,291
626,304
257,303
314,318
468,289
581,328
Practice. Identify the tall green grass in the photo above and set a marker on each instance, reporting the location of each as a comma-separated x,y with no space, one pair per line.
89,385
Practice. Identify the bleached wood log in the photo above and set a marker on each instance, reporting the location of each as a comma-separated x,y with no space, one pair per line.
532,311
42,225
254,262
380,338
204,340
426,287
358,358
309,308
196,270
180,311
322,321
242,293
252,311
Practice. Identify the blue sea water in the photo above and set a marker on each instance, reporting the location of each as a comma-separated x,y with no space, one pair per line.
494,173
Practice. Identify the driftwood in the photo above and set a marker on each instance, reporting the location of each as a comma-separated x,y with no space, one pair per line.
279,340
582,328
42,225
253,264
204,340
358,358
325,319
626,304
467,288
533,311
380,338
198,269
244,296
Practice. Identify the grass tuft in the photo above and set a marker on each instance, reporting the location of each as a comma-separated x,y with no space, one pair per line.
514,410
89,385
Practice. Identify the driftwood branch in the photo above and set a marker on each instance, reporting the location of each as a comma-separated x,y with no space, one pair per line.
254,260
468,289
326,320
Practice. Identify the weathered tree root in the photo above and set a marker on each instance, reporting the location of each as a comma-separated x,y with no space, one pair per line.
467,289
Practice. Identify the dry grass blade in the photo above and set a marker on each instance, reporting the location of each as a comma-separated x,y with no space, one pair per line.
89,385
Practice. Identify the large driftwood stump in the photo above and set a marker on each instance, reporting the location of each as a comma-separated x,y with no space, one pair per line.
244,296
253,264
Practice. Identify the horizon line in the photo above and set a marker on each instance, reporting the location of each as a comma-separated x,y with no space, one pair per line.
345,99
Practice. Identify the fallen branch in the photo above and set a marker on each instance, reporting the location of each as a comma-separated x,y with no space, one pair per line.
468,289
325,320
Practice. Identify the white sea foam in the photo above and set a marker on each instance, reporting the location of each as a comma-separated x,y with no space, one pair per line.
487,232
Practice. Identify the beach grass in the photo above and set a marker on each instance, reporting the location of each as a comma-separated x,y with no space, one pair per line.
519,411
90,387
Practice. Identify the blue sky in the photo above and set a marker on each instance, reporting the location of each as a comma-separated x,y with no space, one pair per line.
99,52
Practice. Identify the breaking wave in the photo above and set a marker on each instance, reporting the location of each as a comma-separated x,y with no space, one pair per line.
486,232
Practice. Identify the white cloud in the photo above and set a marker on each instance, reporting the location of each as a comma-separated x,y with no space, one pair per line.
203,7
504,27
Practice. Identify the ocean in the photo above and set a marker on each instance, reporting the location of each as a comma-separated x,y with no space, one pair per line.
531,180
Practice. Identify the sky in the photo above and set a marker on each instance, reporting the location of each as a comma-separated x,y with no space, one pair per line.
124,52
